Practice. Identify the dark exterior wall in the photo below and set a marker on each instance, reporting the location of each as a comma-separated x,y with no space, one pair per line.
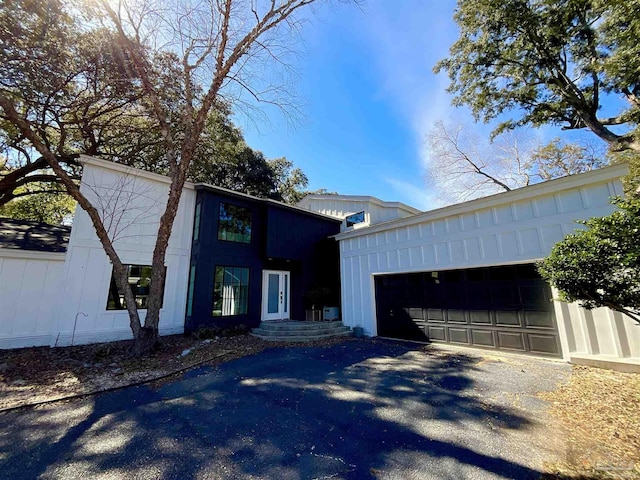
281,239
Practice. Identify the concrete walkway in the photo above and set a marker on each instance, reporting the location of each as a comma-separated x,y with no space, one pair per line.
360,409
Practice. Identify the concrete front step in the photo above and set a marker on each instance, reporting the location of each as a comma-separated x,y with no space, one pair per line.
301,338
300,333
292,331
293,325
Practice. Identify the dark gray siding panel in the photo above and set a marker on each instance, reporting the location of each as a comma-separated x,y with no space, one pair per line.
281,239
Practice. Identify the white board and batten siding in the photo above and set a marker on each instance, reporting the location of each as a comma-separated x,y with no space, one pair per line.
130,202
515,227
340,206
30,289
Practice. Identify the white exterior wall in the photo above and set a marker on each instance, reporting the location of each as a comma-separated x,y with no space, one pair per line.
339,206
130,202
30,288
599,336
520,226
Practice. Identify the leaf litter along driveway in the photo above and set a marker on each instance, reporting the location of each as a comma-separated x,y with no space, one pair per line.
358,409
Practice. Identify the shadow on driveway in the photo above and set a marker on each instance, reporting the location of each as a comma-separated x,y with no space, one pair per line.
360,409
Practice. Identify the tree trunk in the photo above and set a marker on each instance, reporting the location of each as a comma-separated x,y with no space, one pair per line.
146,341
618,143
148,338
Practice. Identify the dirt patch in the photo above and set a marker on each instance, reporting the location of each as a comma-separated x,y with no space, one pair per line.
600,413
34,375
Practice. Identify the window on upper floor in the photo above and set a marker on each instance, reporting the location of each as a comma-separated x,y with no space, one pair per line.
196,222
139,277
354,218
234,223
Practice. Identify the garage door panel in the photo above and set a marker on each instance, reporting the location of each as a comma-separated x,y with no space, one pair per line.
511,340
456,316
459,335
505,295
532,296
545,344
416,313
400,325
484,338
477,295
451,296
480,317
437,333
538,320
435,315
432,295
507,318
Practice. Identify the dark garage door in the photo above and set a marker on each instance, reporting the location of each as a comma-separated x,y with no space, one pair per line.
506,308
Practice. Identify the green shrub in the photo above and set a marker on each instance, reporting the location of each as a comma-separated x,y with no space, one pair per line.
600,266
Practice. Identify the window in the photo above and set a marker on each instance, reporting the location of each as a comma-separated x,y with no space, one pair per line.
196,222
354,218
192,280
139,277
234,223
231,291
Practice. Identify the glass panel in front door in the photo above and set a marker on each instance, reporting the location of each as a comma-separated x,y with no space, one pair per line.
286,294
273,293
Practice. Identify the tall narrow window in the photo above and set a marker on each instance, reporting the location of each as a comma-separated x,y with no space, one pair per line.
234,223
192,280
139,277
196,222
231,291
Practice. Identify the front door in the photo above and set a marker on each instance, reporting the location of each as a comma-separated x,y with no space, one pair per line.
275,295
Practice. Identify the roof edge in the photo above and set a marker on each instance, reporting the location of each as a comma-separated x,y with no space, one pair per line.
599,175
32,254
362,198
128,170
227,191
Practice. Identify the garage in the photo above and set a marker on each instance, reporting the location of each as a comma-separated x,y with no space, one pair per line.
502,307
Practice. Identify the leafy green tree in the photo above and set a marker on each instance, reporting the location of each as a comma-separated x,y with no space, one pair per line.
600,266
630,182
73,86
550,62
51,208
224,159
557,159
290,181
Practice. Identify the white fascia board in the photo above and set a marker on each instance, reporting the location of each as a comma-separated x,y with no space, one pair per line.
117,167
557,185
360,198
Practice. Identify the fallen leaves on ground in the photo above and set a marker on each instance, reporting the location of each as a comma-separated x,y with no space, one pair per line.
39,374
600,412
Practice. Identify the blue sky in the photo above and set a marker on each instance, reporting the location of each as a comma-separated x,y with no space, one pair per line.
369,97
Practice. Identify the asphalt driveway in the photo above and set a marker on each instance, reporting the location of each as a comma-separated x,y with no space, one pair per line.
360,409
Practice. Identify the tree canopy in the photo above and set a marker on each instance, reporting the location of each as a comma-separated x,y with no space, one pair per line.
600,266
89,102
560,62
